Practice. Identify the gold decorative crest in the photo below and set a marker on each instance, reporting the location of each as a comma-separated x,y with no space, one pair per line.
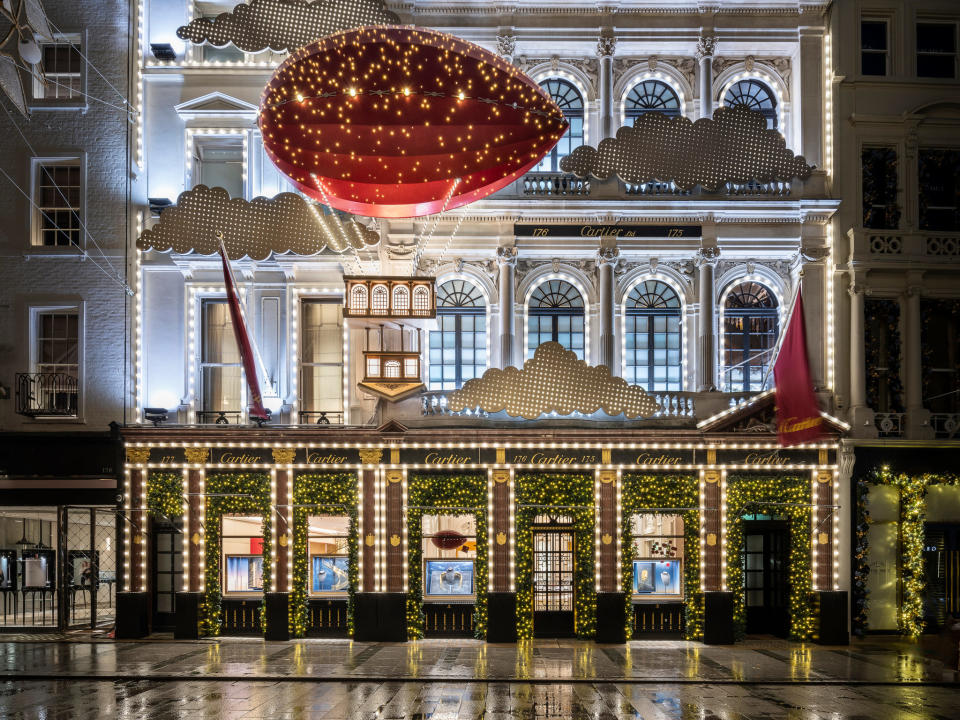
196,456
606,538
711,539
500,476
607,477
825,476
501,538
195,538
370,456
369,540
711,476
555,380
283,456
394,540
823,538
283,540
137,456
394,476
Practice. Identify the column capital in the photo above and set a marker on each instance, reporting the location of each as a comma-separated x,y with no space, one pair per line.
606,46
707,256
914,291
706,46
506,46
608,256
858,288
506,255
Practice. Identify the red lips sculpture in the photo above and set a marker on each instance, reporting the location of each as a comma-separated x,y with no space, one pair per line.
394,121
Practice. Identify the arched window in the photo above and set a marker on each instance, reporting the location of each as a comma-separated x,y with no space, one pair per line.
750,326
458,348
421,300
401,300
380,304
358,299
653,343
756,96
568,98
391,369
649,96
556,314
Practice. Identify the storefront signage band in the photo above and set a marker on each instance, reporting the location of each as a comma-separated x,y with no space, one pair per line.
597,231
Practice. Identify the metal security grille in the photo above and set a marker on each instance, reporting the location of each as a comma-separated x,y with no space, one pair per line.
90,569
552,571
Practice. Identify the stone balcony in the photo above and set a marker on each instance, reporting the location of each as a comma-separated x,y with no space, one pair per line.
926,246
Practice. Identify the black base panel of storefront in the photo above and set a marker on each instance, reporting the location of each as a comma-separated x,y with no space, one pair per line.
327,618
277,611
241,617
448,620
611,617
832,608
658,621
188,616
380,617
133,615
502,617
718,618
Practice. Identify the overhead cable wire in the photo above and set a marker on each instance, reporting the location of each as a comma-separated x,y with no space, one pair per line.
32,72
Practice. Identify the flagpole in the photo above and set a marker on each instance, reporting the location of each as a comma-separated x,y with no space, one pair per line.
782,334
243,313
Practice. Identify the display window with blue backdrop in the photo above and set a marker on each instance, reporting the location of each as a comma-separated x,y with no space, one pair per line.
658,556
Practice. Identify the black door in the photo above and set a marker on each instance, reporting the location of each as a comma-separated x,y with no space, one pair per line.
553,591
167,574
766,545
941,557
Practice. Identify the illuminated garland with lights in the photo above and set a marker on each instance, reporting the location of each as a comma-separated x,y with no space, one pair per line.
913,514
778,496
861,565
232,494
570,495
165,494
322,494
447,493
643,493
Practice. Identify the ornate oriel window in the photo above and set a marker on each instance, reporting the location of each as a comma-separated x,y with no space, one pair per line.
458,347
385,297
380,304
358,300
569,100
751,322
556,314
401,299
651,96
756,96
652,337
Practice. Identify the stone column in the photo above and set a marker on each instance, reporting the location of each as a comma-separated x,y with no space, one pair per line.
606,262
917,420
861,417
704,55
606,46
811,89
814,283
507,262
707,338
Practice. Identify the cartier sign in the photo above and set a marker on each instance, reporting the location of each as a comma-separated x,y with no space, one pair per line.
597,231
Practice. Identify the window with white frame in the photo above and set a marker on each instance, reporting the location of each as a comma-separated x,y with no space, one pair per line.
556,314
58,195
55,361
221,372
652,337
60,75
218,162
458,347
757,96
874,46
751,322
651,96
570,102
321,355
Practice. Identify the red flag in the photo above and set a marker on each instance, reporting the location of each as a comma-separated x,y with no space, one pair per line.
798,415
243,340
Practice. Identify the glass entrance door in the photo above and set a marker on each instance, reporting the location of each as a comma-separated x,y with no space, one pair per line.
553,589
167,574
766,578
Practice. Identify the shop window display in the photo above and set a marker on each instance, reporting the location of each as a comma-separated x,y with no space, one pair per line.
328,548
658,556
242,549
449,554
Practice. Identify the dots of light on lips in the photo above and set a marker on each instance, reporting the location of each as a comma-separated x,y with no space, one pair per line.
360,111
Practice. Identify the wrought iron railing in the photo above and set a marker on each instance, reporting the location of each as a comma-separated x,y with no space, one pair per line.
46,395
889,424
219,417
321,417
945,425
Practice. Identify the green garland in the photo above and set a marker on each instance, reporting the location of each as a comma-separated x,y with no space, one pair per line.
642,493
322,494
913,514
572,495
783,496
164,494
445,491
232,494
861,565
883,350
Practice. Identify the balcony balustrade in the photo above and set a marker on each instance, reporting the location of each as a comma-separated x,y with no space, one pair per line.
46,395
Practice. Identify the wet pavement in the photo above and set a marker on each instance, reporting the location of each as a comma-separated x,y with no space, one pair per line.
438,679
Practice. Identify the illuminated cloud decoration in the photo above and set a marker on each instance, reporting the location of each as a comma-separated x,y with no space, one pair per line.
287,223
734,146
403,122
284,24
553,381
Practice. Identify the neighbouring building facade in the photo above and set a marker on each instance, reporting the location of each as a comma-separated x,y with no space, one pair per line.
897,128
370,504
63,310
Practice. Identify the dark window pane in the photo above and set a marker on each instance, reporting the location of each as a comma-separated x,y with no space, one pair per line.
873,35
939,189
936,50
879,181
873,63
